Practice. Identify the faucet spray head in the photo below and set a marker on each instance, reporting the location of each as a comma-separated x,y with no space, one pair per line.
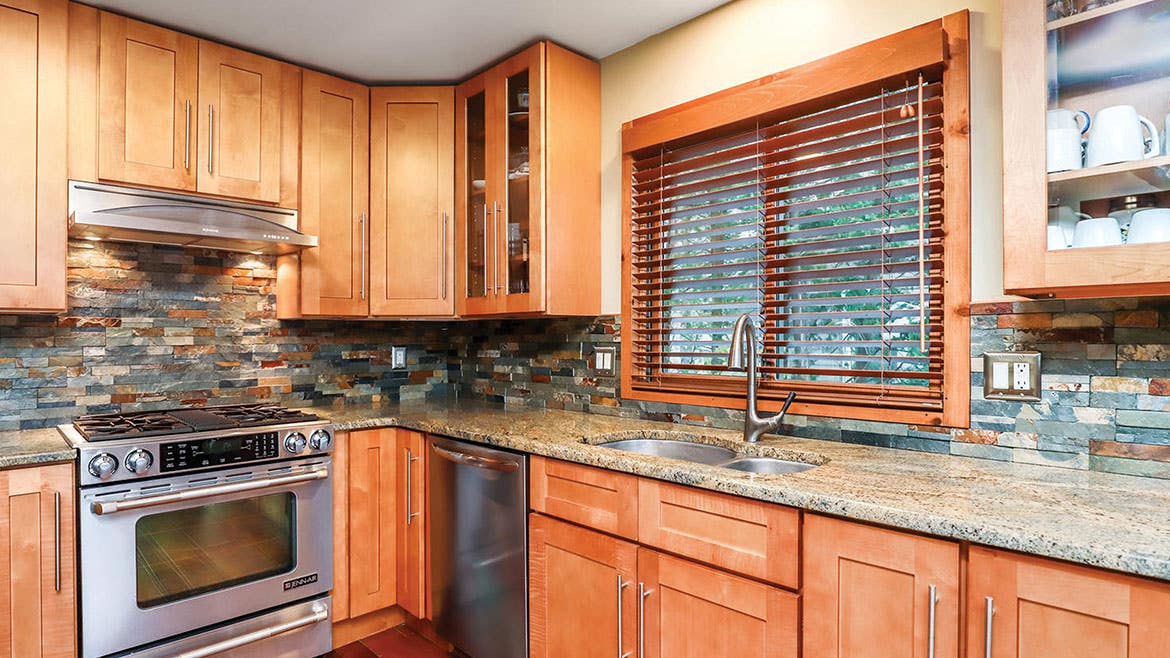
740,334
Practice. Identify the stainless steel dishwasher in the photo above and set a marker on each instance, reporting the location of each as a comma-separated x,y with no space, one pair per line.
479,548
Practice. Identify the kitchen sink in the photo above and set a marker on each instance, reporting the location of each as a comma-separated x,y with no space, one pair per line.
689,451
766,465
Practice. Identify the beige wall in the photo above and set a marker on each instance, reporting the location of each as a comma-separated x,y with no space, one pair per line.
748,39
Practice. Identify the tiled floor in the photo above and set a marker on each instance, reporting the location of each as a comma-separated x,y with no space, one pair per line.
398,642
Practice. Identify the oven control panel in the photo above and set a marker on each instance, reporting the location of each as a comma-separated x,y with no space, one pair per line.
187,455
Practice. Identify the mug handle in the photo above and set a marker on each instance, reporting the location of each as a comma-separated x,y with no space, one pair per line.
1154,146
1088,120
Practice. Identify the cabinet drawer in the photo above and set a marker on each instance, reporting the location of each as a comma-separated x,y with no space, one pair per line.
750,537
594,497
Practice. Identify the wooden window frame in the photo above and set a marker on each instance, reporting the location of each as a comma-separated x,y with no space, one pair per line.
944,41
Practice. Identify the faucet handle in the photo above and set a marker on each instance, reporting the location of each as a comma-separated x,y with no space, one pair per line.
787,403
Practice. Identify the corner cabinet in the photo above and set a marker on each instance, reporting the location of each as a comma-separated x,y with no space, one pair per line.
37,544
1060,56
33,56
528,186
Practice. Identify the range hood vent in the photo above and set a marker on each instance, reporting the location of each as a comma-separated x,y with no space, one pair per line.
125,214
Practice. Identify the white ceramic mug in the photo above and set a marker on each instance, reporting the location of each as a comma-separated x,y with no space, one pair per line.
1150,225
1064,149
1066,218
1097,232
1056,238
1062,118
1117,137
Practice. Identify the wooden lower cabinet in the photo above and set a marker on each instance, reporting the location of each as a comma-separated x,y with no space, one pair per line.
584,591
38,614
595,497
867,592
373,542
1043,608
413,558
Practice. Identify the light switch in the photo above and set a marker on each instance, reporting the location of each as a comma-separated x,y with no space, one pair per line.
1011,376
603,360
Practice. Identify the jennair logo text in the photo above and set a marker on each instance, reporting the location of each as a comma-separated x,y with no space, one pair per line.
300,582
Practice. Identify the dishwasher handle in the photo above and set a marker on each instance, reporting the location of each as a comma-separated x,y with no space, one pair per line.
475,461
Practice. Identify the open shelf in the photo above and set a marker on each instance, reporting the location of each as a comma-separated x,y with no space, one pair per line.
1121,179
1120,5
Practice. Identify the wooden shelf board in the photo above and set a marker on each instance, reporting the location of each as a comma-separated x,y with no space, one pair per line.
1120,5
1121,179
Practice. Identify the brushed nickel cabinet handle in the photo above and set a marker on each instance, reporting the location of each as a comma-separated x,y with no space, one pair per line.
443,254
187,136
210,137
410,459
57,541
620,586
931,634
362,223
485,250
496,226
642,594
990,602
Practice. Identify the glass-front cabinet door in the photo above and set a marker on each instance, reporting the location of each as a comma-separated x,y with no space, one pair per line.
1087,166
502,187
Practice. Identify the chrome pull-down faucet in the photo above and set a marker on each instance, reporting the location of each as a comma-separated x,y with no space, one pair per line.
743,352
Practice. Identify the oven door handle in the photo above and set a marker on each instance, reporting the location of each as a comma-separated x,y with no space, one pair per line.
110,506
320,614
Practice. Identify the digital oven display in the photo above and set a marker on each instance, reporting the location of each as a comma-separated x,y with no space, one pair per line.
185,455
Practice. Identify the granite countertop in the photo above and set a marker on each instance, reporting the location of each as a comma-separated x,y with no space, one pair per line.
1116,522
31,447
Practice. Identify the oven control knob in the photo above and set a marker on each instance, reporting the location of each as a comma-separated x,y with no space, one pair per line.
320,440
295,443
139,461
103,466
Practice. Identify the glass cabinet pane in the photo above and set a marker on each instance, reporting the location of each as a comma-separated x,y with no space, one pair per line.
477,233
518,231
1108,79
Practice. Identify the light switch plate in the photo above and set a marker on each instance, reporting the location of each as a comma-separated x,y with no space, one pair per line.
1011,376
397,357
603,359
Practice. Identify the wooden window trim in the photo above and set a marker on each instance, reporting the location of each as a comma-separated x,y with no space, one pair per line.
943,40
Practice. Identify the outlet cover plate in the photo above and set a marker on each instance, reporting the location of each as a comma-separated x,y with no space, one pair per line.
1002,386
397,357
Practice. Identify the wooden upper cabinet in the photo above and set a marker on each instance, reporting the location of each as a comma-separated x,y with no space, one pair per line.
578,581
239,123
32,140
373,544
412,205
413,548
527,181
867,592
1043,608
148,96
694,611
335,143
38,613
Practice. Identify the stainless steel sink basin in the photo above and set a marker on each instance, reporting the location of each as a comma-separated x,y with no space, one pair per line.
690,451
766,465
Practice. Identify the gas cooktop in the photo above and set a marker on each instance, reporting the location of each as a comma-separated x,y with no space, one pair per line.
141,424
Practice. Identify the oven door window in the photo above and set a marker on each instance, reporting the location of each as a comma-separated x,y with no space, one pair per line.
195,550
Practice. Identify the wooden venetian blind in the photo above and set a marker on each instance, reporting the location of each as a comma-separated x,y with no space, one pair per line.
825,223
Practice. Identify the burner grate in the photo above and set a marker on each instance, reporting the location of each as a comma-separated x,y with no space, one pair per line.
108,427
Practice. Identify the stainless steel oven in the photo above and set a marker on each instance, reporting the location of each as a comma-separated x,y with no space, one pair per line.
206,558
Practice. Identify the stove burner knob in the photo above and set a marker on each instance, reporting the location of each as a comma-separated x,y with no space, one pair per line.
139,461
320,440
103,466
295,443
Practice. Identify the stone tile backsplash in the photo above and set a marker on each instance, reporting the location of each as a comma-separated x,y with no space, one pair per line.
152,327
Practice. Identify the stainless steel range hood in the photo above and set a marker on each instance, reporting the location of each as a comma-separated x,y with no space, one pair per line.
125,214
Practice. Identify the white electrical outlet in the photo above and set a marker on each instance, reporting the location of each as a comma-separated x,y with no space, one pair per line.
1021,376
397,357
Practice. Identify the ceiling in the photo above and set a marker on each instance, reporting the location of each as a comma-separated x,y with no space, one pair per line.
380,41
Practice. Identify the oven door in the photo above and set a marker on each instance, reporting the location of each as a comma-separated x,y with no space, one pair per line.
169,556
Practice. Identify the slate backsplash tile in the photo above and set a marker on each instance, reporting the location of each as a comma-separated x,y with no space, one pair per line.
153,326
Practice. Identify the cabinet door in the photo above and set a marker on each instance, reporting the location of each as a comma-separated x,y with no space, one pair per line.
1044,608
372,520
595,497
146,97
867,592
340,526
582,594
694,611
475,246
36,551
335,183
412,202
413,562
239,123
32,140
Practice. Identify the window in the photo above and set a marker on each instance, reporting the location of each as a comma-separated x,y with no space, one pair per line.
835,212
